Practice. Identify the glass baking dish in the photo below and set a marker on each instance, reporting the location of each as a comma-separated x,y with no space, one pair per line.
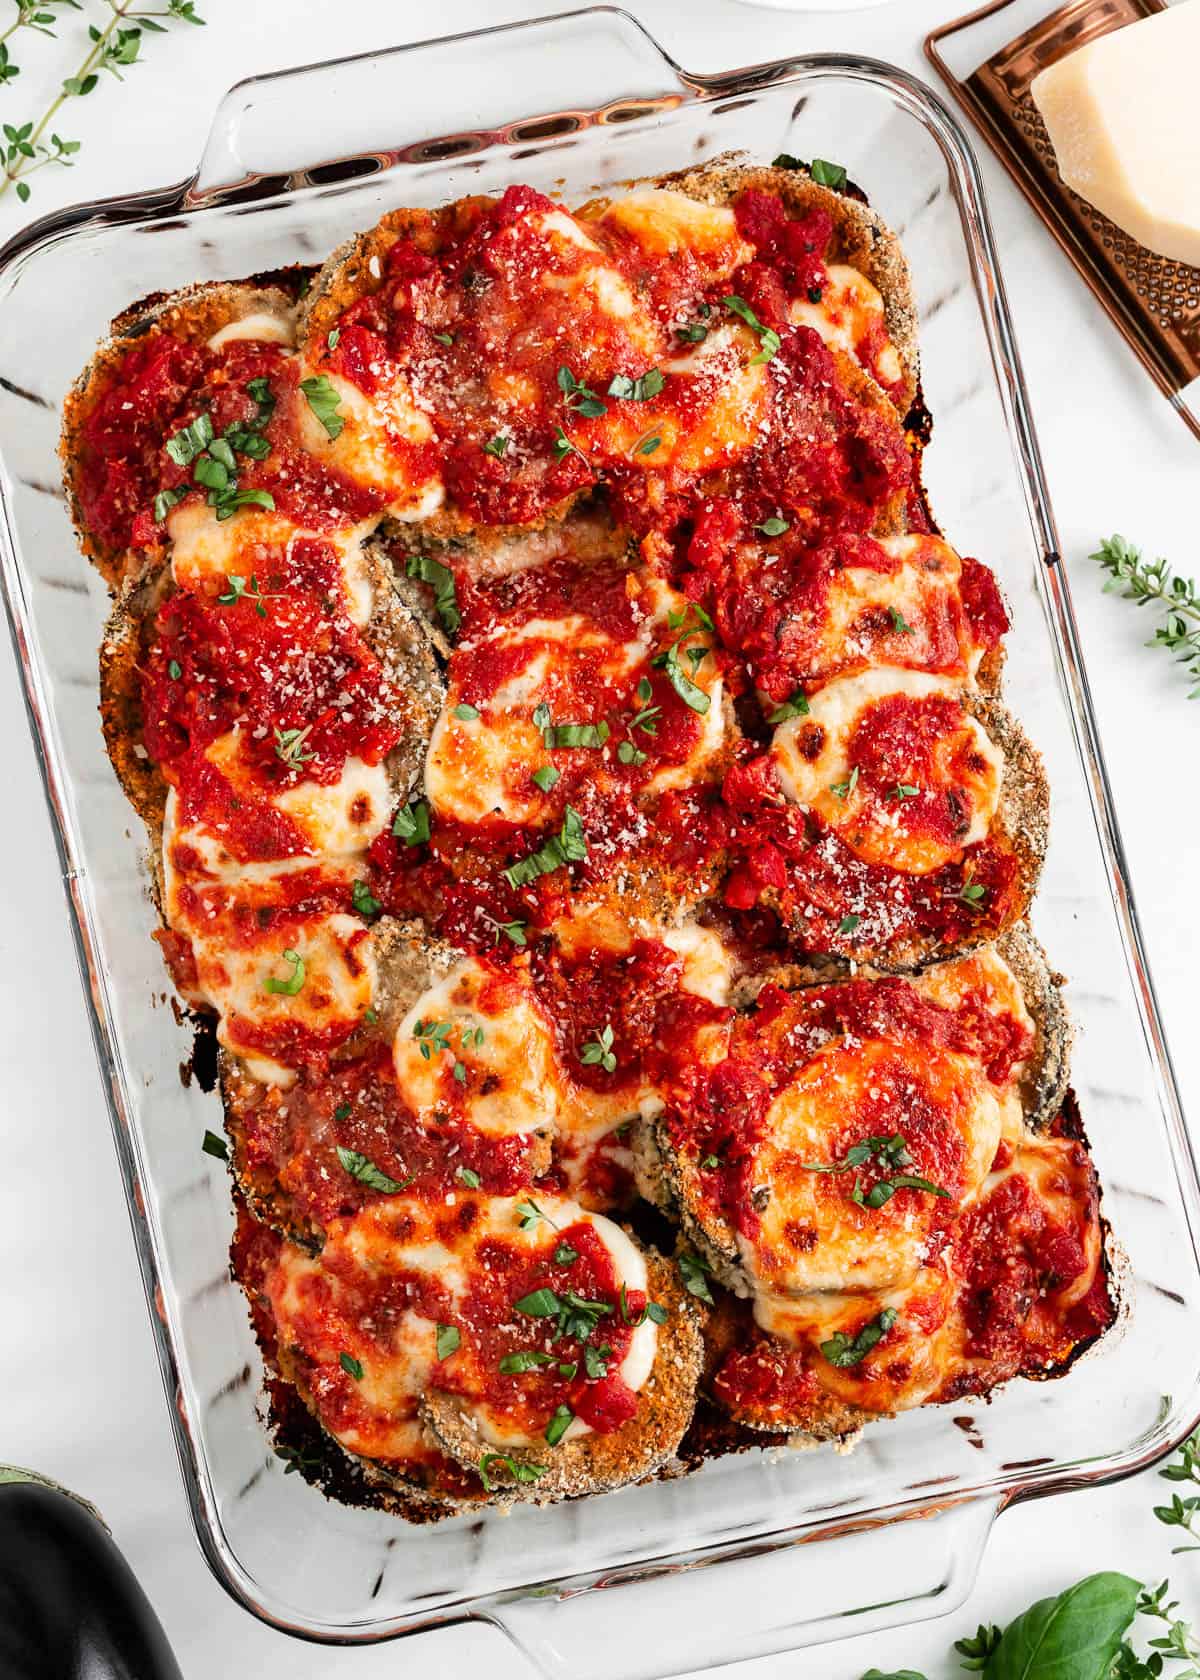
719,1565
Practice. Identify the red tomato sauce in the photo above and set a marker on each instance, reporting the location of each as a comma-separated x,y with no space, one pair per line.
292,1137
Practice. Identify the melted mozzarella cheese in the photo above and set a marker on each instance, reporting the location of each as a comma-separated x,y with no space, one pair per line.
906,1366
664,223
373,445
728,405
864,609
509,1084
811,1236
264,326
207,550
337,819
483,765
812,758
342,818
848,308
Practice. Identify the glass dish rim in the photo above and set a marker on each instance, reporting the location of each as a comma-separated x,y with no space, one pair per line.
144,207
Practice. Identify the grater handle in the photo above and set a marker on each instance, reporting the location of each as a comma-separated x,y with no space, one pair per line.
702,1614
365,114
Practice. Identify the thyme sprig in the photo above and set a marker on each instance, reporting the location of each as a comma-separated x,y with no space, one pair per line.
1182,1513
1151,582
33,145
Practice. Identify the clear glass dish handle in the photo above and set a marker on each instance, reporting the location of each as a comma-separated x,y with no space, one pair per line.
701,1615
387,105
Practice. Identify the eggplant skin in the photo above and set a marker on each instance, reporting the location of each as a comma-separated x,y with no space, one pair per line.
70,1606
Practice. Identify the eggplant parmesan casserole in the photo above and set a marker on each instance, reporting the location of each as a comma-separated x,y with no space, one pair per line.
582,795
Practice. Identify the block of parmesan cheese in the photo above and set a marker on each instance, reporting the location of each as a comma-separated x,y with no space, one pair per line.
1123,114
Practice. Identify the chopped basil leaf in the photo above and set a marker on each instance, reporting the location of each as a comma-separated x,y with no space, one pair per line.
351,1366
332,338
166,500
904,790
518,1471
513,931
569,845
546,777
444,338
796,705
687,690
565,1255
595,1360
843,1350
694,1272
561,735
647,445
569,1371
496,446
655,1313
843,790
559,1424
366,1172
364,900
767,336
448,1339
323,399
528,1359
541,1303
294,981
211,473
709,1162
642,389
693,333
229,501
629,754
785,160
215,1146
342,1111
187,443
465,712
441,580
827,174
219,450
848,924
469,1177
814,294
412,824
174,670
773,527
972,892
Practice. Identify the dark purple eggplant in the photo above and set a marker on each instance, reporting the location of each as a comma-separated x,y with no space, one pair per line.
70,1606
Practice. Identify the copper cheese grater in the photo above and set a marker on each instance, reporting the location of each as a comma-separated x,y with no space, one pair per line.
1154,301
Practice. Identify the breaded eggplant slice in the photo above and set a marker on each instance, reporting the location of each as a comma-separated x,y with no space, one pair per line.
593,1463
911,888
421,1486
398,636
195,315
862,242
439,1313
939,1086
455,1079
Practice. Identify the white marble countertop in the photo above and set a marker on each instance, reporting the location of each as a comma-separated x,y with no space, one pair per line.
81,1398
